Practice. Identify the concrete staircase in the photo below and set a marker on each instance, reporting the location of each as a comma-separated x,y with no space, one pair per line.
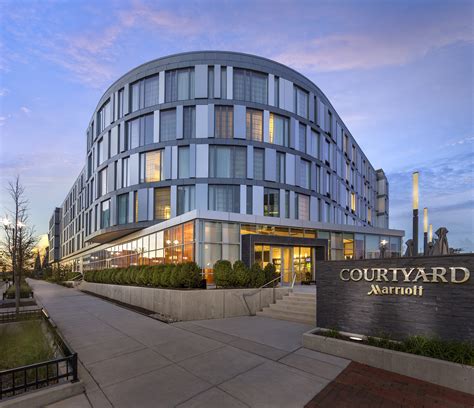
295,307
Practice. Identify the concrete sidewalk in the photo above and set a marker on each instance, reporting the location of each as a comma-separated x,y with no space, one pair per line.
130,360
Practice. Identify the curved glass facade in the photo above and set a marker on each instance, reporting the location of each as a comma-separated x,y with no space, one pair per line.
219,136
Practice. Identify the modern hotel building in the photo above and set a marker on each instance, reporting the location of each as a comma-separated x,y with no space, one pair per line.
221,155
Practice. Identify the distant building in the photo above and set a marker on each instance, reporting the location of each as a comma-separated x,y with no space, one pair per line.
54,235
221,155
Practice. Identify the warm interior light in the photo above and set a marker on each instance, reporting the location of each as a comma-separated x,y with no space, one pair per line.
355,338
430,235
415,190
425,219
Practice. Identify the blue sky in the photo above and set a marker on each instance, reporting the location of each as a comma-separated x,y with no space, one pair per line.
400,74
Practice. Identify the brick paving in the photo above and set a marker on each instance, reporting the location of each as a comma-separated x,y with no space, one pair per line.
360,385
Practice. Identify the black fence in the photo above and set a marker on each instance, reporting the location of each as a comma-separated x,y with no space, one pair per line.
35,376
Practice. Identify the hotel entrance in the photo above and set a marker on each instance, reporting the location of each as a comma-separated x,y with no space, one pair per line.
291,262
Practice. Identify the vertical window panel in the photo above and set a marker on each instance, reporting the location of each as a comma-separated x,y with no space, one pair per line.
162,203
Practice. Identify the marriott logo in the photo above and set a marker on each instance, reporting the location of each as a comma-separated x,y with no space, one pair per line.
417,275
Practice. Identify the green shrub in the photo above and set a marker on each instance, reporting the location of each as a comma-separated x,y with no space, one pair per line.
222,274
166,276
257,276
25,291
190,275
156,273
270,274
175,277
241,275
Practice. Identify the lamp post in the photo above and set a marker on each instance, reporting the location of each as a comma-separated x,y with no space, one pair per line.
383,248
415,213
425,231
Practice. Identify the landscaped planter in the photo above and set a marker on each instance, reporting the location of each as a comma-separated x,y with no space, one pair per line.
445,373
192,304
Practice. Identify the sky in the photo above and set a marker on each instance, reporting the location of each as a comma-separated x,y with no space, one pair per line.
399,73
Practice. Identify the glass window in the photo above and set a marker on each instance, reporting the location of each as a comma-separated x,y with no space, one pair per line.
167,125
133,127
258,163
224,122
250,86
326,150
287,204
151,166
100,152
103,117
148,127
212,231
353,202
162,203
125,179
228,161
120,103
359,246
279,130
276,100
224,198
179,85
186,199
210,82
372,248
254,125
305,174
271,202
189,122
302,207
314,148
223,82
151,91
230,233
102,184
105,214
144,93
122,209
348,241
302,137
249,199
183,161
280,167
301,102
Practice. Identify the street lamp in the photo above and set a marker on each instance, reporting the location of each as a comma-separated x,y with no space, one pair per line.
415,213
425,231
383,247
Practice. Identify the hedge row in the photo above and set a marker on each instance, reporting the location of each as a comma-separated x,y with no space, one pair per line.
25,291
185,275
239,275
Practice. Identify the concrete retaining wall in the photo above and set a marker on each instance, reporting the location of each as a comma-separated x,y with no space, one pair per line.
189,304
444,373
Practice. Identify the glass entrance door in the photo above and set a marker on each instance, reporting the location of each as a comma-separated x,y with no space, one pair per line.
289,262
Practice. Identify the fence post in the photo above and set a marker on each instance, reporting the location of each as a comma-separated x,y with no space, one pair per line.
74,368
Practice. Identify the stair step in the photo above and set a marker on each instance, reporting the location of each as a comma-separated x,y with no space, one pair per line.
303,295
289,313
294,308
293,301
287,316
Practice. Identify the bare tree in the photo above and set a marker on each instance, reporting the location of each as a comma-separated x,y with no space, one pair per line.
19,239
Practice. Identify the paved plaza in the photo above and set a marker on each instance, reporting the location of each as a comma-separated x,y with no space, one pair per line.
131,360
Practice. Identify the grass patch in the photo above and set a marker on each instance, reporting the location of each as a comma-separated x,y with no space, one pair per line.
23,343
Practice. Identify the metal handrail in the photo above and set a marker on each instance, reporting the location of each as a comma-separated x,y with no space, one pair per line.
293,281
259,290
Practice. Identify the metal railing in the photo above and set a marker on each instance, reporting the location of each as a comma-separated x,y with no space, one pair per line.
259,290
31,377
